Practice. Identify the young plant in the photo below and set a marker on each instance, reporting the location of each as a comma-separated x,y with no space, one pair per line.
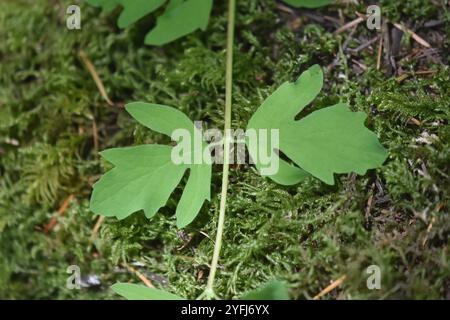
180,17
328,141
308,3
273,290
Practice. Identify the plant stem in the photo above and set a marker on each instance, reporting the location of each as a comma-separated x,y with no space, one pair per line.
226,156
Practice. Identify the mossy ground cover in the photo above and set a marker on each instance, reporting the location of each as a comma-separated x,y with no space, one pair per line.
53,122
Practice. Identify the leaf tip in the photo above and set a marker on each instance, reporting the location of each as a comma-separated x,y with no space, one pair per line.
132,105
152,40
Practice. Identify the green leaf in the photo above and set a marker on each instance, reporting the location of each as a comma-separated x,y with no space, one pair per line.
180,19
145,176
274,290
138,292
330,140
308,3
133,10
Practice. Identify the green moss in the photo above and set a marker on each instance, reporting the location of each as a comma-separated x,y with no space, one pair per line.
414,9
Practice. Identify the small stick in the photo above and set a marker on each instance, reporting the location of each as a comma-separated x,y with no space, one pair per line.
95,137
433,220
332,286
61,211
206,235
402,77
349,25
364,45
97,226
414,35
360,64
286,9
387,46
425,72
380,51
415,121
146,281
98,82
369,202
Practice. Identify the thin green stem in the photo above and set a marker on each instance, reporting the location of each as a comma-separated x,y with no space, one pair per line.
209,291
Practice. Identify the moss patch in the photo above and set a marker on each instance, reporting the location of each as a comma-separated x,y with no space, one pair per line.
52,119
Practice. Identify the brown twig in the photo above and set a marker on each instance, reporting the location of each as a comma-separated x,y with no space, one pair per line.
364,45
349,25
380,52
360,64
331,287
95,137
425,72
97,226
61,211
424,242
98,82
143,278
369,203
285,9
206,235
402,77
406,75
415,121
414,35
433,220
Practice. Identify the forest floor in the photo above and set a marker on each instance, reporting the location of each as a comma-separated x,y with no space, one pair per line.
54,120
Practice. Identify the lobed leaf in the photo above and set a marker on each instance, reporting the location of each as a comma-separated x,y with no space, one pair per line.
145,176
308,3
180,17
135,10
139,292
274,290
328,141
